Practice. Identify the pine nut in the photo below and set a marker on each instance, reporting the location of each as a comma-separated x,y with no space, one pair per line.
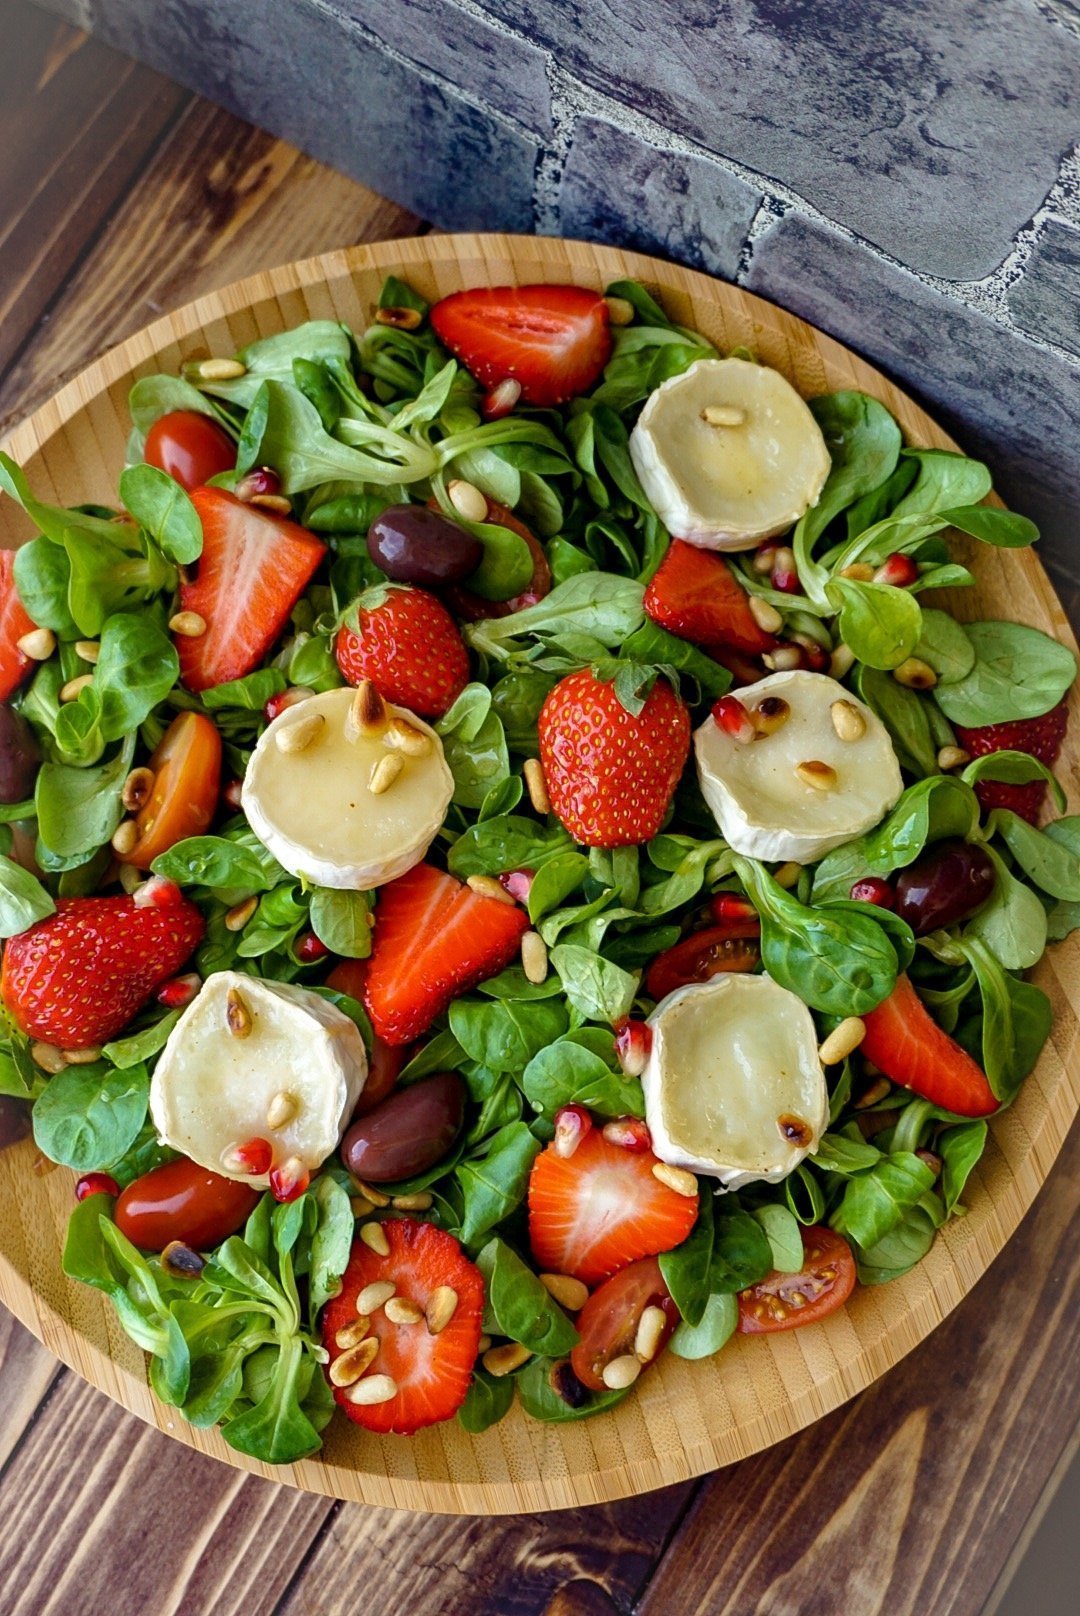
952,757
347,1370
483,1344
441,1307
569,1292
351,1335
75,687
83,1057
785,659
237,1015
282,1109
765,615
536,786
405,737
878,1089
676,1178
486,886
125,837
375,1295
842,660
137,788
276,504
619,310
420,1201
298,735
372,1389
915,674
89,650
213,370
368,716
376,1197
374,1237
723,415
842,1041
621,1372
788,874
650,1330
821,776
470,504
401,319
534,957
500,1361
770,714
399,1310
130,878
360,1206
861,572
384,773
238,917
38,644
189,625
847,720
48,1057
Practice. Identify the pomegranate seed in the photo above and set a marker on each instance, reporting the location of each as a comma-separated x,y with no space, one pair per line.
732,906
518,883
897,569
572,1123
629,1133
253,1156
289,1180
765,557
814,656
310,948
734,719
96,1184
501,400
231,793
157,893
633,1041
873,889
260,481
179,991
784,576
288,698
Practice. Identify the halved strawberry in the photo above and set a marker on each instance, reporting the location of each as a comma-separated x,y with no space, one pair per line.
695,594
253,569
593,1212
905,1041
431,1373
1041,736
76,978
408,645
554,340
14,623
434,939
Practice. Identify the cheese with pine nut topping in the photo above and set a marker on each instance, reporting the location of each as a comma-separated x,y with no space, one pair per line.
293,1078
733,1085
767,803
314,807
729,454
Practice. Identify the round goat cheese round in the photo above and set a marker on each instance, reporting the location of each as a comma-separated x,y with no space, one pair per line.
251,1059
314,807
728,454
733,1084
766,800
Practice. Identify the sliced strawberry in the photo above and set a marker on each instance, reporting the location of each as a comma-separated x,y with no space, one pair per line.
14,623
253,569
77,978
408,645
904,1040
431,1372
593,1212
434,939
554,340
1041,736
695,594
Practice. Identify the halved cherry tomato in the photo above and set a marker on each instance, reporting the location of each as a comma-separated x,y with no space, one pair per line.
182,1201
470,607
730,947
386,1060
186,766
190,447
608,1322
785,1301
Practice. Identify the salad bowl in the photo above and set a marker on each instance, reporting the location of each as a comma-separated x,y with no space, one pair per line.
688,1417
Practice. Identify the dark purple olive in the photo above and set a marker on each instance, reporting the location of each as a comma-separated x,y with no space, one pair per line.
408,1132
415,545
944,885
20,758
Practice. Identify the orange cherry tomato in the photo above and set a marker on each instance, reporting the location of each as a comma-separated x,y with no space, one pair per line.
190,447
608,1322
186,766
785,1301
182,1201
386,1061
732,946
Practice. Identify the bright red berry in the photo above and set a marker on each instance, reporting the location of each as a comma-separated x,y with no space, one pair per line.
873,889
734,719
408,645
96,1184
553,340
310,948
1041,736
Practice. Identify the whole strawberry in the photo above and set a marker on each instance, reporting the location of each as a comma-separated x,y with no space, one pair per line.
77,978
1041,737
408,645
610,773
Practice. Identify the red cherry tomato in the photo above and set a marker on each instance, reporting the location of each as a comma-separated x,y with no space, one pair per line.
182,1201
608,1322
784,1301
386,1061
186,766
190,447
730,947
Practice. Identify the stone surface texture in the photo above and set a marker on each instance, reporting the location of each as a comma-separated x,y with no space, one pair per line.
906,176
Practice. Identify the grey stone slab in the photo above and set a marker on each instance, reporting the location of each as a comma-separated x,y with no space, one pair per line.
1046,301
934,128
507,72
309,76
618,188
1006,400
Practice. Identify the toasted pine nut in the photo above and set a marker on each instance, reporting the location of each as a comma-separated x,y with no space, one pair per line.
48,1057
277,504
237,1015
360,1206
351,1335
787,875
368,717
536,786
723,415
298,735
676,1178
785,659
238,917
282,1109
766,616
534,957
375,1295
468,500
38,644
374,1237
499,1361
915,674
346,1370
569,1292
770,714
952,757
189,625
376,1197
384,773
621,1372
861,572
83,1057
372,1389
213,370
847,720
649,1332
842,1041
125,837
619,310
419,1201
402,319
441,1307
75,687
89,650
405,737
878,1089
487,887
841,660
137,788
821,776
399,1310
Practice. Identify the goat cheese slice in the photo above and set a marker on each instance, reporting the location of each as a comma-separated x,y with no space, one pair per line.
761,804
212,1090
314,808
733,1084
728,454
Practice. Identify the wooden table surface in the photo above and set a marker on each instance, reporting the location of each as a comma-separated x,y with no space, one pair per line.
121,196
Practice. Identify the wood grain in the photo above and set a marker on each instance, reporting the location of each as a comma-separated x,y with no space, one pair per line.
687,1418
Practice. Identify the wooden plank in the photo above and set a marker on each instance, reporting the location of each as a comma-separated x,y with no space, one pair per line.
27,1371
908,1501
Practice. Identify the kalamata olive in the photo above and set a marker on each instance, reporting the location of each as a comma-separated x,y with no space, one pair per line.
946,884
20,758
408,1133
415,545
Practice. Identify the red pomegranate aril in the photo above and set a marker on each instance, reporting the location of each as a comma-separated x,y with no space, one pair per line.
732,906
518,883
231,793
178,992
815,656
734,719
784,576
96,1184
157,893
633,1042
897,569
945,885
572,1123
874,889
284,700
310,948
501,400
289,1179
629,1133
260,481
253,1156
